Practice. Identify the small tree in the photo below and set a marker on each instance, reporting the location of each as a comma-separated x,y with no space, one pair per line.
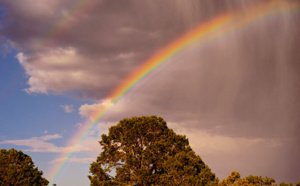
285,184
144,151
234,179
17,168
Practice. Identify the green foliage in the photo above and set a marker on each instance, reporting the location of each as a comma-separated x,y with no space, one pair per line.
144,151
234,179
285,184
17,168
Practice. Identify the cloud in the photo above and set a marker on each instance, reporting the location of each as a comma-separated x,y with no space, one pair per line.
58,59
41,144
68,108
211,142
50,137
240,91
224,154
90,145
91,110
58,70
73,160
37,144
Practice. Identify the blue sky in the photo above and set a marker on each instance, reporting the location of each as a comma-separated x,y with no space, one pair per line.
41,113
24,116
235,98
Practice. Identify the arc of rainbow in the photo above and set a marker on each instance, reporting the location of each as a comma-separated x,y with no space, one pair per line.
197,37
126,86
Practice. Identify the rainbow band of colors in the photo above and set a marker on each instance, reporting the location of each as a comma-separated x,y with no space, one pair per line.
197,37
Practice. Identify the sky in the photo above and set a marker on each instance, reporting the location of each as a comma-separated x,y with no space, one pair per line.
235,97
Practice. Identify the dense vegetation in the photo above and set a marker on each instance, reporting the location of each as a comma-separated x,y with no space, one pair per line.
136,151
17,168
144,151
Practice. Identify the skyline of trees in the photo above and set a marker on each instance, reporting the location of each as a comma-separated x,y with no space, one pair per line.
136,151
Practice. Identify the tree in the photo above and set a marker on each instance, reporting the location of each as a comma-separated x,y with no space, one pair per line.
285,184
144,151
235,179
17,168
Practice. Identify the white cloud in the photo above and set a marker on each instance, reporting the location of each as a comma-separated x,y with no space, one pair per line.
135,105
47,71
92,111
37,144
61,70
50,137
41,144
68,108
21,57
65,69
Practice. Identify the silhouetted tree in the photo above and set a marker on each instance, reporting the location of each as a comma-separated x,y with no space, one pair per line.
17,168
144,151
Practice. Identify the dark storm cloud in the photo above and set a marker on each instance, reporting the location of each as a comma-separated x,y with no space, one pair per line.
104,36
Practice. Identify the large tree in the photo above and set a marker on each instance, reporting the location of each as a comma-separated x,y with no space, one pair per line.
144,151
17,168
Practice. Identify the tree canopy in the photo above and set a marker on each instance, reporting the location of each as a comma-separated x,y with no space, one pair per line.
234,179
144,151
17,168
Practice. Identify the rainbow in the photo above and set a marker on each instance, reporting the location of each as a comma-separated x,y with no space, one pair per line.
205,32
